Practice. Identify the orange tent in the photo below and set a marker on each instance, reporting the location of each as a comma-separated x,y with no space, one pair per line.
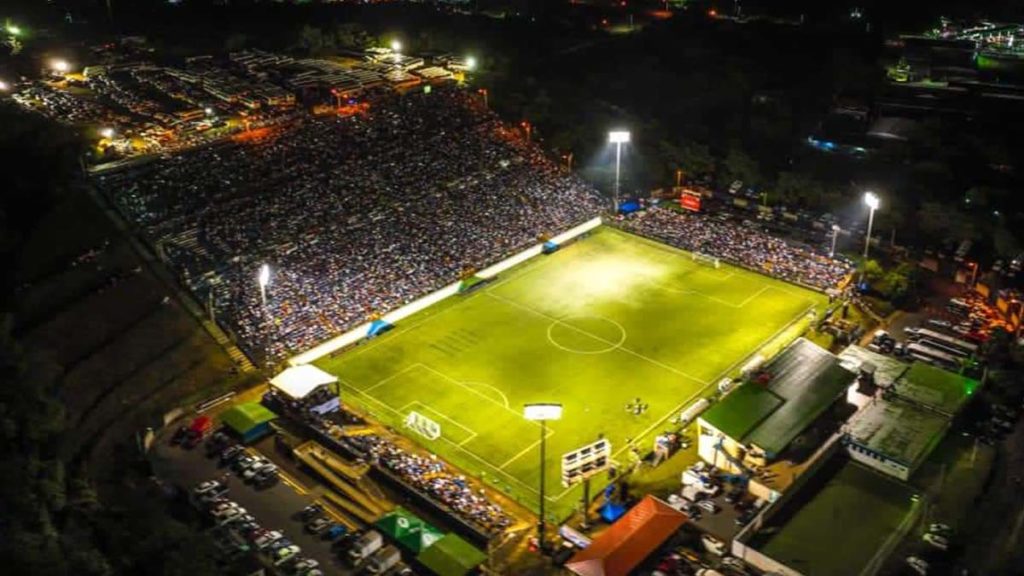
620,548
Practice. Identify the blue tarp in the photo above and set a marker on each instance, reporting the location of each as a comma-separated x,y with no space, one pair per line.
629,206
549,247
378,327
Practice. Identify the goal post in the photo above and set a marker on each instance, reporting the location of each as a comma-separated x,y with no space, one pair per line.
423,426
706,259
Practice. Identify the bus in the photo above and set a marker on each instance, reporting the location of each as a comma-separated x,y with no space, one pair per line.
945,343
933,357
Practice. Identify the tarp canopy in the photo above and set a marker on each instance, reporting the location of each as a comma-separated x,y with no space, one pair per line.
623,546
298,381
451,556
408,530
244,417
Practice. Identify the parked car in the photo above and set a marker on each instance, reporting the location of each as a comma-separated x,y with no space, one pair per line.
268,538
917,565
940,529
937,541
208,487
285,554
229,454
713,545
304,565
709,506
259,468
311,511
318,525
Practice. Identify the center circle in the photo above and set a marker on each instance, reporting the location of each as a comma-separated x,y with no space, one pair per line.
586,334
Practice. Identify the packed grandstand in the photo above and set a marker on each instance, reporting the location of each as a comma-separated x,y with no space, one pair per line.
359,215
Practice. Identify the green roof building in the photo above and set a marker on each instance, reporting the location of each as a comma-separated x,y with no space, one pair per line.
763,416
451,556
408,530
935,389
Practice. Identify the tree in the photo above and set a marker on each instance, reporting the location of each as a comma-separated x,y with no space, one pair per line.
872,269
799,189
738,165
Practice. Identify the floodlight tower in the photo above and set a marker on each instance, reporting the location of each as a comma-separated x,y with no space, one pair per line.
542,413
618,137
835,233
264,280
871,199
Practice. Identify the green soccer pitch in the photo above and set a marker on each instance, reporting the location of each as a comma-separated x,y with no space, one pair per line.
607,319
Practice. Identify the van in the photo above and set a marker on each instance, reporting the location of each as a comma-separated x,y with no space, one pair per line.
364,547
383,560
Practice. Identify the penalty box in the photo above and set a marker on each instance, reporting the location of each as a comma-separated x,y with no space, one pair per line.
443,399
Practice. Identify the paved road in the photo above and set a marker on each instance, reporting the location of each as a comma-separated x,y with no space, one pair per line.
274,508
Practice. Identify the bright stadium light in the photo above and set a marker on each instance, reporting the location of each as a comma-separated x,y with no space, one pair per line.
618,137
872,201
60,65
396,46
208,111
4,86
470,63
107,133
542,412
14,30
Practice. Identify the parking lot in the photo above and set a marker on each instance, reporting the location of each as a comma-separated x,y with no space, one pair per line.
274,508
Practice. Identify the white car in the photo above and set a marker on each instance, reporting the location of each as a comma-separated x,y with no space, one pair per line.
256,469
207,487
941,529
937,541
268,539
305,565
709,506
918,565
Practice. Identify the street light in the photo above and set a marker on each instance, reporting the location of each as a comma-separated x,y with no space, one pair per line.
14,30
264,280
872,201
618,137
208,111
835,232
396,46
107,133
60,65
4,86
542,412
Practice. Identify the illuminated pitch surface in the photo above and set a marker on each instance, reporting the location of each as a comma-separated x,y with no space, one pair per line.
605,320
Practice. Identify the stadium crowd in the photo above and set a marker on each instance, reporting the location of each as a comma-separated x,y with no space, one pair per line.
432,476
741,245
355,215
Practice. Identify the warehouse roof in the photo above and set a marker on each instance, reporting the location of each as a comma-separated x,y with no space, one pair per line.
244,417
935,388
897,430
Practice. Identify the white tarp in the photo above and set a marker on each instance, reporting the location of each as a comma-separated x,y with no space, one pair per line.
298,381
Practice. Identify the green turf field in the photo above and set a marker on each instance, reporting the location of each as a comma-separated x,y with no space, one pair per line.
607,319
848,520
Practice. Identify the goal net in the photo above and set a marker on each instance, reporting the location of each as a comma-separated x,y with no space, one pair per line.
423,426
706,259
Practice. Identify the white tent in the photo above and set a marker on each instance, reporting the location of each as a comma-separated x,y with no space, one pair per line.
298,381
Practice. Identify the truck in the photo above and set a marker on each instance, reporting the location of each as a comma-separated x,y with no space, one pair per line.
364,547
383,560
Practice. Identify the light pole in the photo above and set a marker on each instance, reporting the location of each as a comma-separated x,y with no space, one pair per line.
618,137
835,233
872,201
483,92
542,413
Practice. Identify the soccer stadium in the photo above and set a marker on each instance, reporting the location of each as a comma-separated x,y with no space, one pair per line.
607,320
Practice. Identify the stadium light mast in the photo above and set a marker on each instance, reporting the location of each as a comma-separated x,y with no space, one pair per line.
542,412
618,137
835,233
871,199
264,280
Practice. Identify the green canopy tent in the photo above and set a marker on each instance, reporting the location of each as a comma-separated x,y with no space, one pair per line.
250,420
451,556
408,530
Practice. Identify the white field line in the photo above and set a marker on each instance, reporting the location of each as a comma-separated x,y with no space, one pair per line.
390,378
703,390
598,338
487,464
505,406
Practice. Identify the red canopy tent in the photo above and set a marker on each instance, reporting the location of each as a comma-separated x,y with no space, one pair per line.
620,548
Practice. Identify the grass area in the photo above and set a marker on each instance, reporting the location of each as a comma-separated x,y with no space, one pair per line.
836,526
607,319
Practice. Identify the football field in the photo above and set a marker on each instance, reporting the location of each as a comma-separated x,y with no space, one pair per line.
609,318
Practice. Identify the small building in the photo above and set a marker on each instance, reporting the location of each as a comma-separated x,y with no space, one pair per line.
451,556
250,421
893,437
621,548
300,381
758,421
935,389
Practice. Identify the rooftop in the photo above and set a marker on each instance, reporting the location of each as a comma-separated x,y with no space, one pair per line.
888,369
897,430
805,380
934,388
